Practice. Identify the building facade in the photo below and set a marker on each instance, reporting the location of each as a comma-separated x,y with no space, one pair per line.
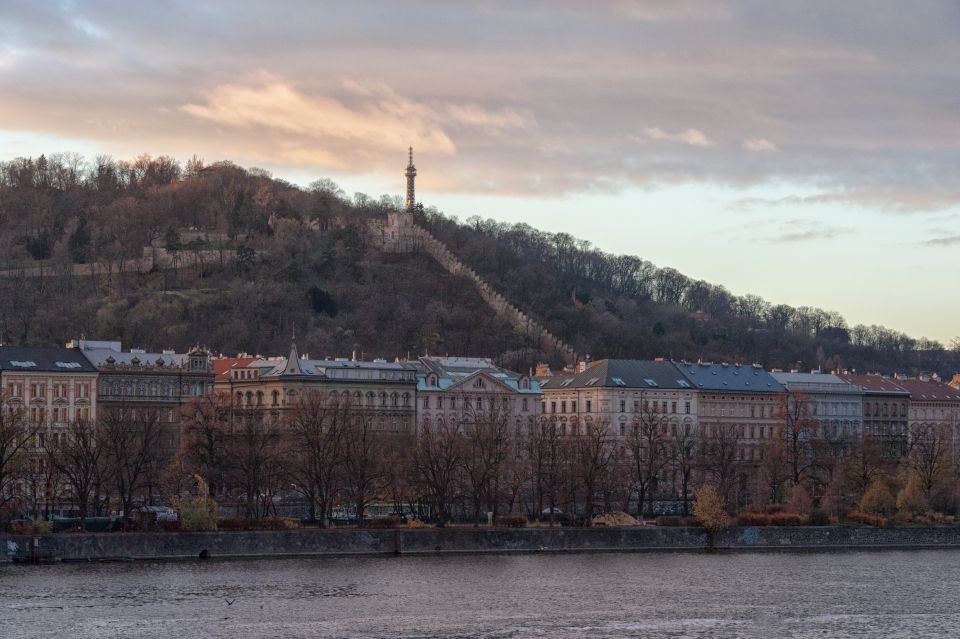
737,397
53,387
620,393
835,405
383,393
453,390
934,407
885,411
135,381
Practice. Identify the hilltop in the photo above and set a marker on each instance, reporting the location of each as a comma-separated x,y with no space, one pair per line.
251,258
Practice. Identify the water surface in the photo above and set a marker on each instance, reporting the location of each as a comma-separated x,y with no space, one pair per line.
855,594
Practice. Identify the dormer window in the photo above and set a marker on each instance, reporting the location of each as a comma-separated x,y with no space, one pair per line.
525,382
431,380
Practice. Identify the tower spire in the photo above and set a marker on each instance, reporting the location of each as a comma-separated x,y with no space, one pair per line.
411,174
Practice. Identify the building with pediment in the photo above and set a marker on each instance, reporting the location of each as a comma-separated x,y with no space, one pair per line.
454,390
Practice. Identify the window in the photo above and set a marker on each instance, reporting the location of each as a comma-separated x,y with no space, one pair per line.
589,407
573,406
623,407
563,406
622,429
650,383
426,402
453,402
524,405
439,402
636,405
618,381
553,407
479,403
686,408
592,381
543,407
683,383
673,407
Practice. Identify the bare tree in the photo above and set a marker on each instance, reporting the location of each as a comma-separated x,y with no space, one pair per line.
77,459
718,460
362,464
205,427
315,452
592,453
649,451
487,442
802,443
130,439
928,455
544,452
437,462
16,435
252,460
682,459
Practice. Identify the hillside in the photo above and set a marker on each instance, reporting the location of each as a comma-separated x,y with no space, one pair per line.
302,259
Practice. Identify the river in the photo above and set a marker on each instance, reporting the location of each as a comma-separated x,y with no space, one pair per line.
849,594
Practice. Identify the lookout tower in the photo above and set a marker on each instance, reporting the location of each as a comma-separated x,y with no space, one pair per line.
411,174
399,234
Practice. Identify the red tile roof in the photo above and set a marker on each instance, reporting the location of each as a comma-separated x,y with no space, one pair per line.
873,383
931,391
223,365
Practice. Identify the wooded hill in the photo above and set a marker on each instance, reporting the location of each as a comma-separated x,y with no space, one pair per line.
277,257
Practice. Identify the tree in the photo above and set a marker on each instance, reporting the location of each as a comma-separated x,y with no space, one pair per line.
486,441
252,459
77,458
649,451
799,432
592,453
363,470
16,436
683,459
205,425
718,458
315,453
544,455
437,463
130,438
710,509
928,456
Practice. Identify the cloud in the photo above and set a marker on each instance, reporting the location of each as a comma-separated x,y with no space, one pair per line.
952,240
692,137
756,145
825,233
902,201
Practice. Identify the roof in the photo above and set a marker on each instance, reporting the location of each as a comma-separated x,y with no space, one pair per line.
816,383
451,371
729,377
623,373
874,384
929,390
295,366
100,357
223,365
54,360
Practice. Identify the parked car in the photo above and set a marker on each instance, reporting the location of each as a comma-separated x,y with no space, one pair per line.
153,514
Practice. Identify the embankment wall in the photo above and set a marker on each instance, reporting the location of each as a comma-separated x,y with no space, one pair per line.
107,546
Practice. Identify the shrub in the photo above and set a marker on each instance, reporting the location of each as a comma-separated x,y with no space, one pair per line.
753,519
512,521
800,502
417,523
786,519
818,518
911,502
772,509
197,514
877,499
34,527
384,522
709,509
230,523
277,523
868,519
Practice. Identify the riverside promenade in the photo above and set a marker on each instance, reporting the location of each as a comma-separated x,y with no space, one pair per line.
360,542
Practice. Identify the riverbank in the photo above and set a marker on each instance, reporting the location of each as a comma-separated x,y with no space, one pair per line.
319,543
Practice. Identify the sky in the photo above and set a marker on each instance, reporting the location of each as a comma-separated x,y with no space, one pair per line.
807,152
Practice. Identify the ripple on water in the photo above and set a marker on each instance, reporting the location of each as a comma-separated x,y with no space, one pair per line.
845,595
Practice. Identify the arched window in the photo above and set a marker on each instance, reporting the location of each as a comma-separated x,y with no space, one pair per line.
249,398
406,399
259,398
239,398
275,398
394,400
